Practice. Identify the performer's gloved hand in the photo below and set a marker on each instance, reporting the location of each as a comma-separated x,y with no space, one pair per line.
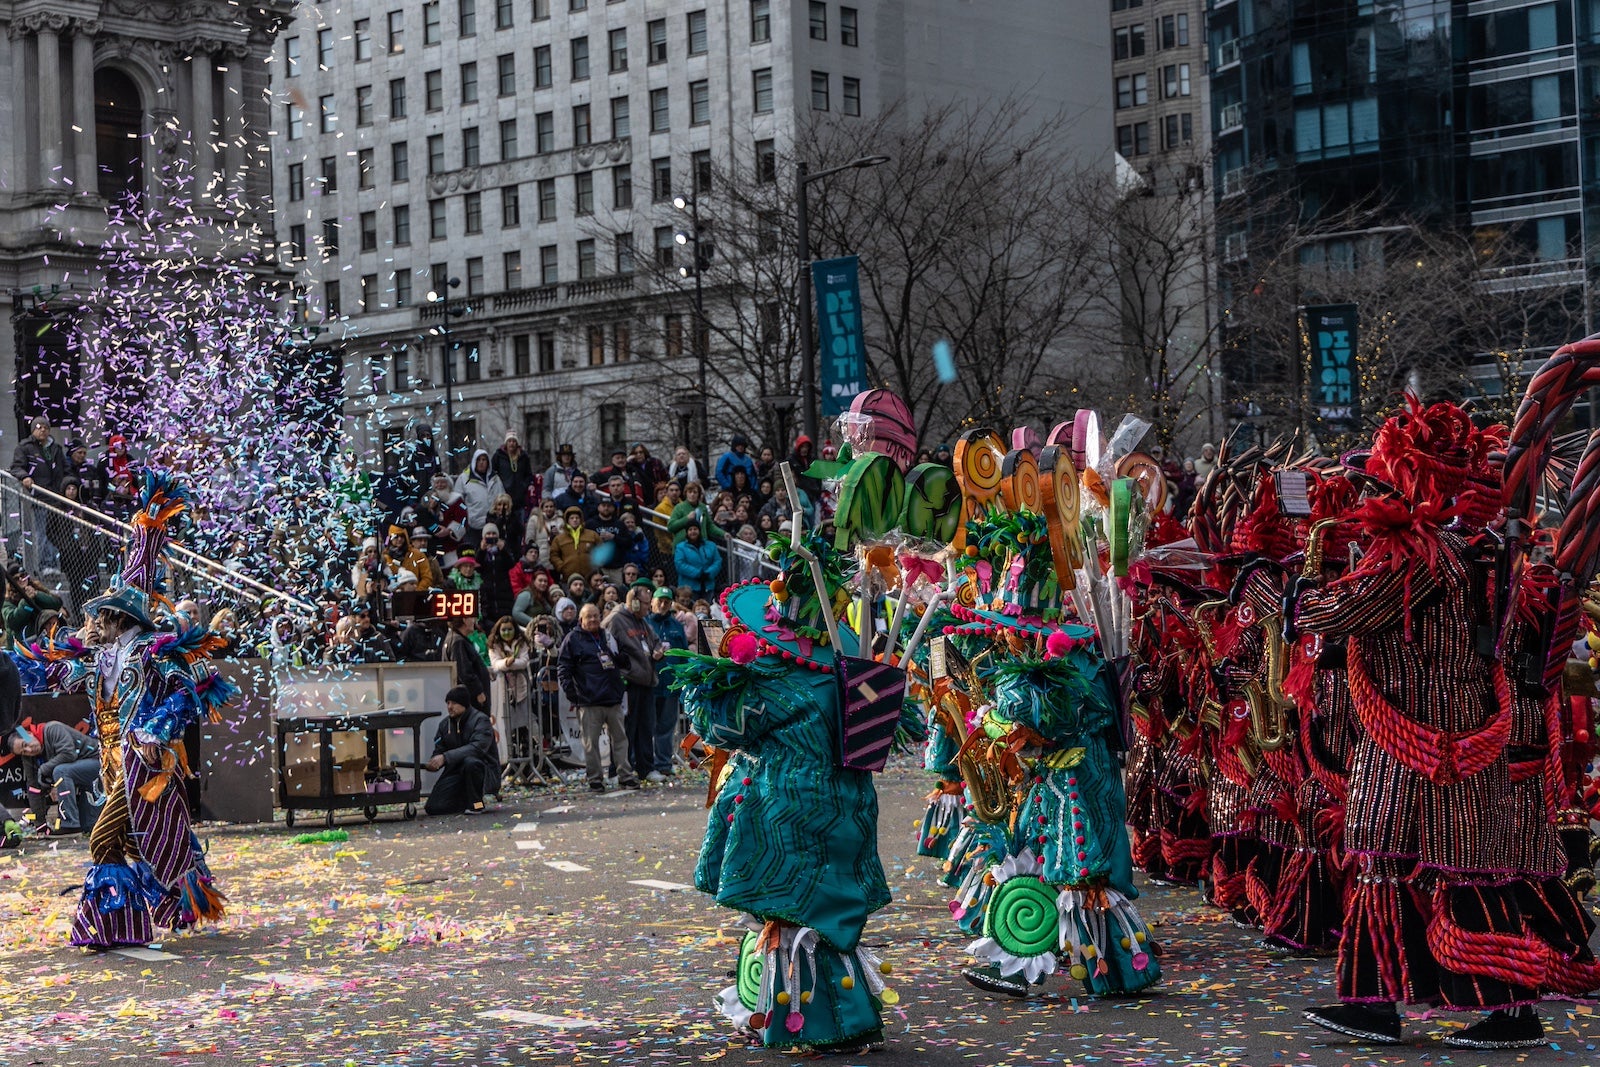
1290,606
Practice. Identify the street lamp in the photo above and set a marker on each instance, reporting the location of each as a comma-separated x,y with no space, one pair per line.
808,352
702,257
449,363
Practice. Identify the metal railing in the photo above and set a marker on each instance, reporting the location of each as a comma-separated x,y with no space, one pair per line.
76,549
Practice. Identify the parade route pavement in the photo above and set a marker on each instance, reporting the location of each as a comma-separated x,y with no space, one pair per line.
561,929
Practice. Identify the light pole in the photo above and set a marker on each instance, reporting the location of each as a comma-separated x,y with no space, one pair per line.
808,350
702,256
449,364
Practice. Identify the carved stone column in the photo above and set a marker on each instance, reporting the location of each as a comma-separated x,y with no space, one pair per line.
234,156
50,128
24,131
201,130
84,174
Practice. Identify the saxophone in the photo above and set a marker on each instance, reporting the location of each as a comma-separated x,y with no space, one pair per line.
1269,704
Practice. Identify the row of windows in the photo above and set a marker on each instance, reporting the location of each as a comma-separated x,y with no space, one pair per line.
1129,42
1133,90
1133,139
696,32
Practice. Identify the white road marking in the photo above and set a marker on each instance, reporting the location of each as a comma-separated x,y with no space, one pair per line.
148,955
526,845
526,828
288,980
651,883
566,865
535,1018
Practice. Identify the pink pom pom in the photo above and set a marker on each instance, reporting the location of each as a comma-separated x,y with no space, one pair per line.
1056,645
743,648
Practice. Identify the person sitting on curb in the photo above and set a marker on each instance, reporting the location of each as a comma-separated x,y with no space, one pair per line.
466,754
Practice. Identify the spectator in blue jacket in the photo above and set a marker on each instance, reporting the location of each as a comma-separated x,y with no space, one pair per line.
698,562
669,634
735,458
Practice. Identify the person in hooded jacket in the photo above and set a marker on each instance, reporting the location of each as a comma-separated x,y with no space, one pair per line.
514,468
466,755
478,486
799,460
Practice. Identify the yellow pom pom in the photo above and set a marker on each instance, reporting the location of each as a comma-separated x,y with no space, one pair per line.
884,968
1079,971
1126,943
847,982
782,998
889,996
1141,937
805,998
1090,951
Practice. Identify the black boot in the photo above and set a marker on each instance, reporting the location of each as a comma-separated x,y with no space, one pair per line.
990,980
1518,1028
1375,1023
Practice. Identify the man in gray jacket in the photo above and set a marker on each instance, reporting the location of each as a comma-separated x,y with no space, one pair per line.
61,763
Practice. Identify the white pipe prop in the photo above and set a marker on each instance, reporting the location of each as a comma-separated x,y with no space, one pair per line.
817,577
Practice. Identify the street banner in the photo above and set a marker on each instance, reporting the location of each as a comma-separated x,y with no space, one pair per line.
1335,383
842,350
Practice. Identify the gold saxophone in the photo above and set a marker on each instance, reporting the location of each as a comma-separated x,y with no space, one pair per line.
1269,704
977,758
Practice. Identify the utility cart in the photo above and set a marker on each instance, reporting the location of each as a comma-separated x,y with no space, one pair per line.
341,763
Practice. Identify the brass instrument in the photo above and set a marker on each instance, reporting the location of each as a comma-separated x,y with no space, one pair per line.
1269,704
981,769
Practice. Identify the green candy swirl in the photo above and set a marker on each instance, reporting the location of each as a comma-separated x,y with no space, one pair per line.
1021,917
751,965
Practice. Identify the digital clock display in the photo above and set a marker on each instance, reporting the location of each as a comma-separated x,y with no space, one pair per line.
459,604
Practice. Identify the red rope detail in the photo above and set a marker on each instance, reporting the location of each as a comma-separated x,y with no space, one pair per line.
1517,959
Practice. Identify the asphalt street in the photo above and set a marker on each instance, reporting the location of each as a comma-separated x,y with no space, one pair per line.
561,929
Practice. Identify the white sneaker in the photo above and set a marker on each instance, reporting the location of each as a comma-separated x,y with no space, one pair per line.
655,776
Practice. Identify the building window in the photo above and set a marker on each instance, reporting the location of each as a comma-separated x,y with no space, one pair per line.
577,5
1174,31
400,362
661,179
430,23
613,428
437,228
400,161
666,246
468,21
617,40
470,356
474,287
402,224
469,83
369,292
1338,130
580,59
660,111
508,139
297,182
583,193
850,95
521,350
330,174
506,73
544,132
549,259
597,351
700,167
819,20
1178,130
586,267
328,113
436,153
623,243
1128,42
672,331
1174,80
621,128
760,21
1136,92
541,67
325,48
697,33
364,168
621,343
433,90
330,239
291,57
1125,5
397,32
402,292
297,242
547,199
1134,139
369,231
363,40
330,299
761,83
766,161
547,356
582,132
504,18
849,34
699,103
541,10
510,206
656,36
819,90
439,274
767,232
622,186
397,98
363,105
296,123
472,208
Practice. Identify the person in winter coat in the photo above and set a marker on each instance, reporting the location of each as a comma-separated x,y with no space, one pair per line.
60,764
558,476
514,468
420,561
736,457
693,509
472,672
640,655
579,495
684,468
544,522
527,568
477,487
566,615
443,513
504,518
570,550
698,562
534,600
466,756
646,471
633,544
799,461
668,634
495,562
40,462
509,658
422,641
589,669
